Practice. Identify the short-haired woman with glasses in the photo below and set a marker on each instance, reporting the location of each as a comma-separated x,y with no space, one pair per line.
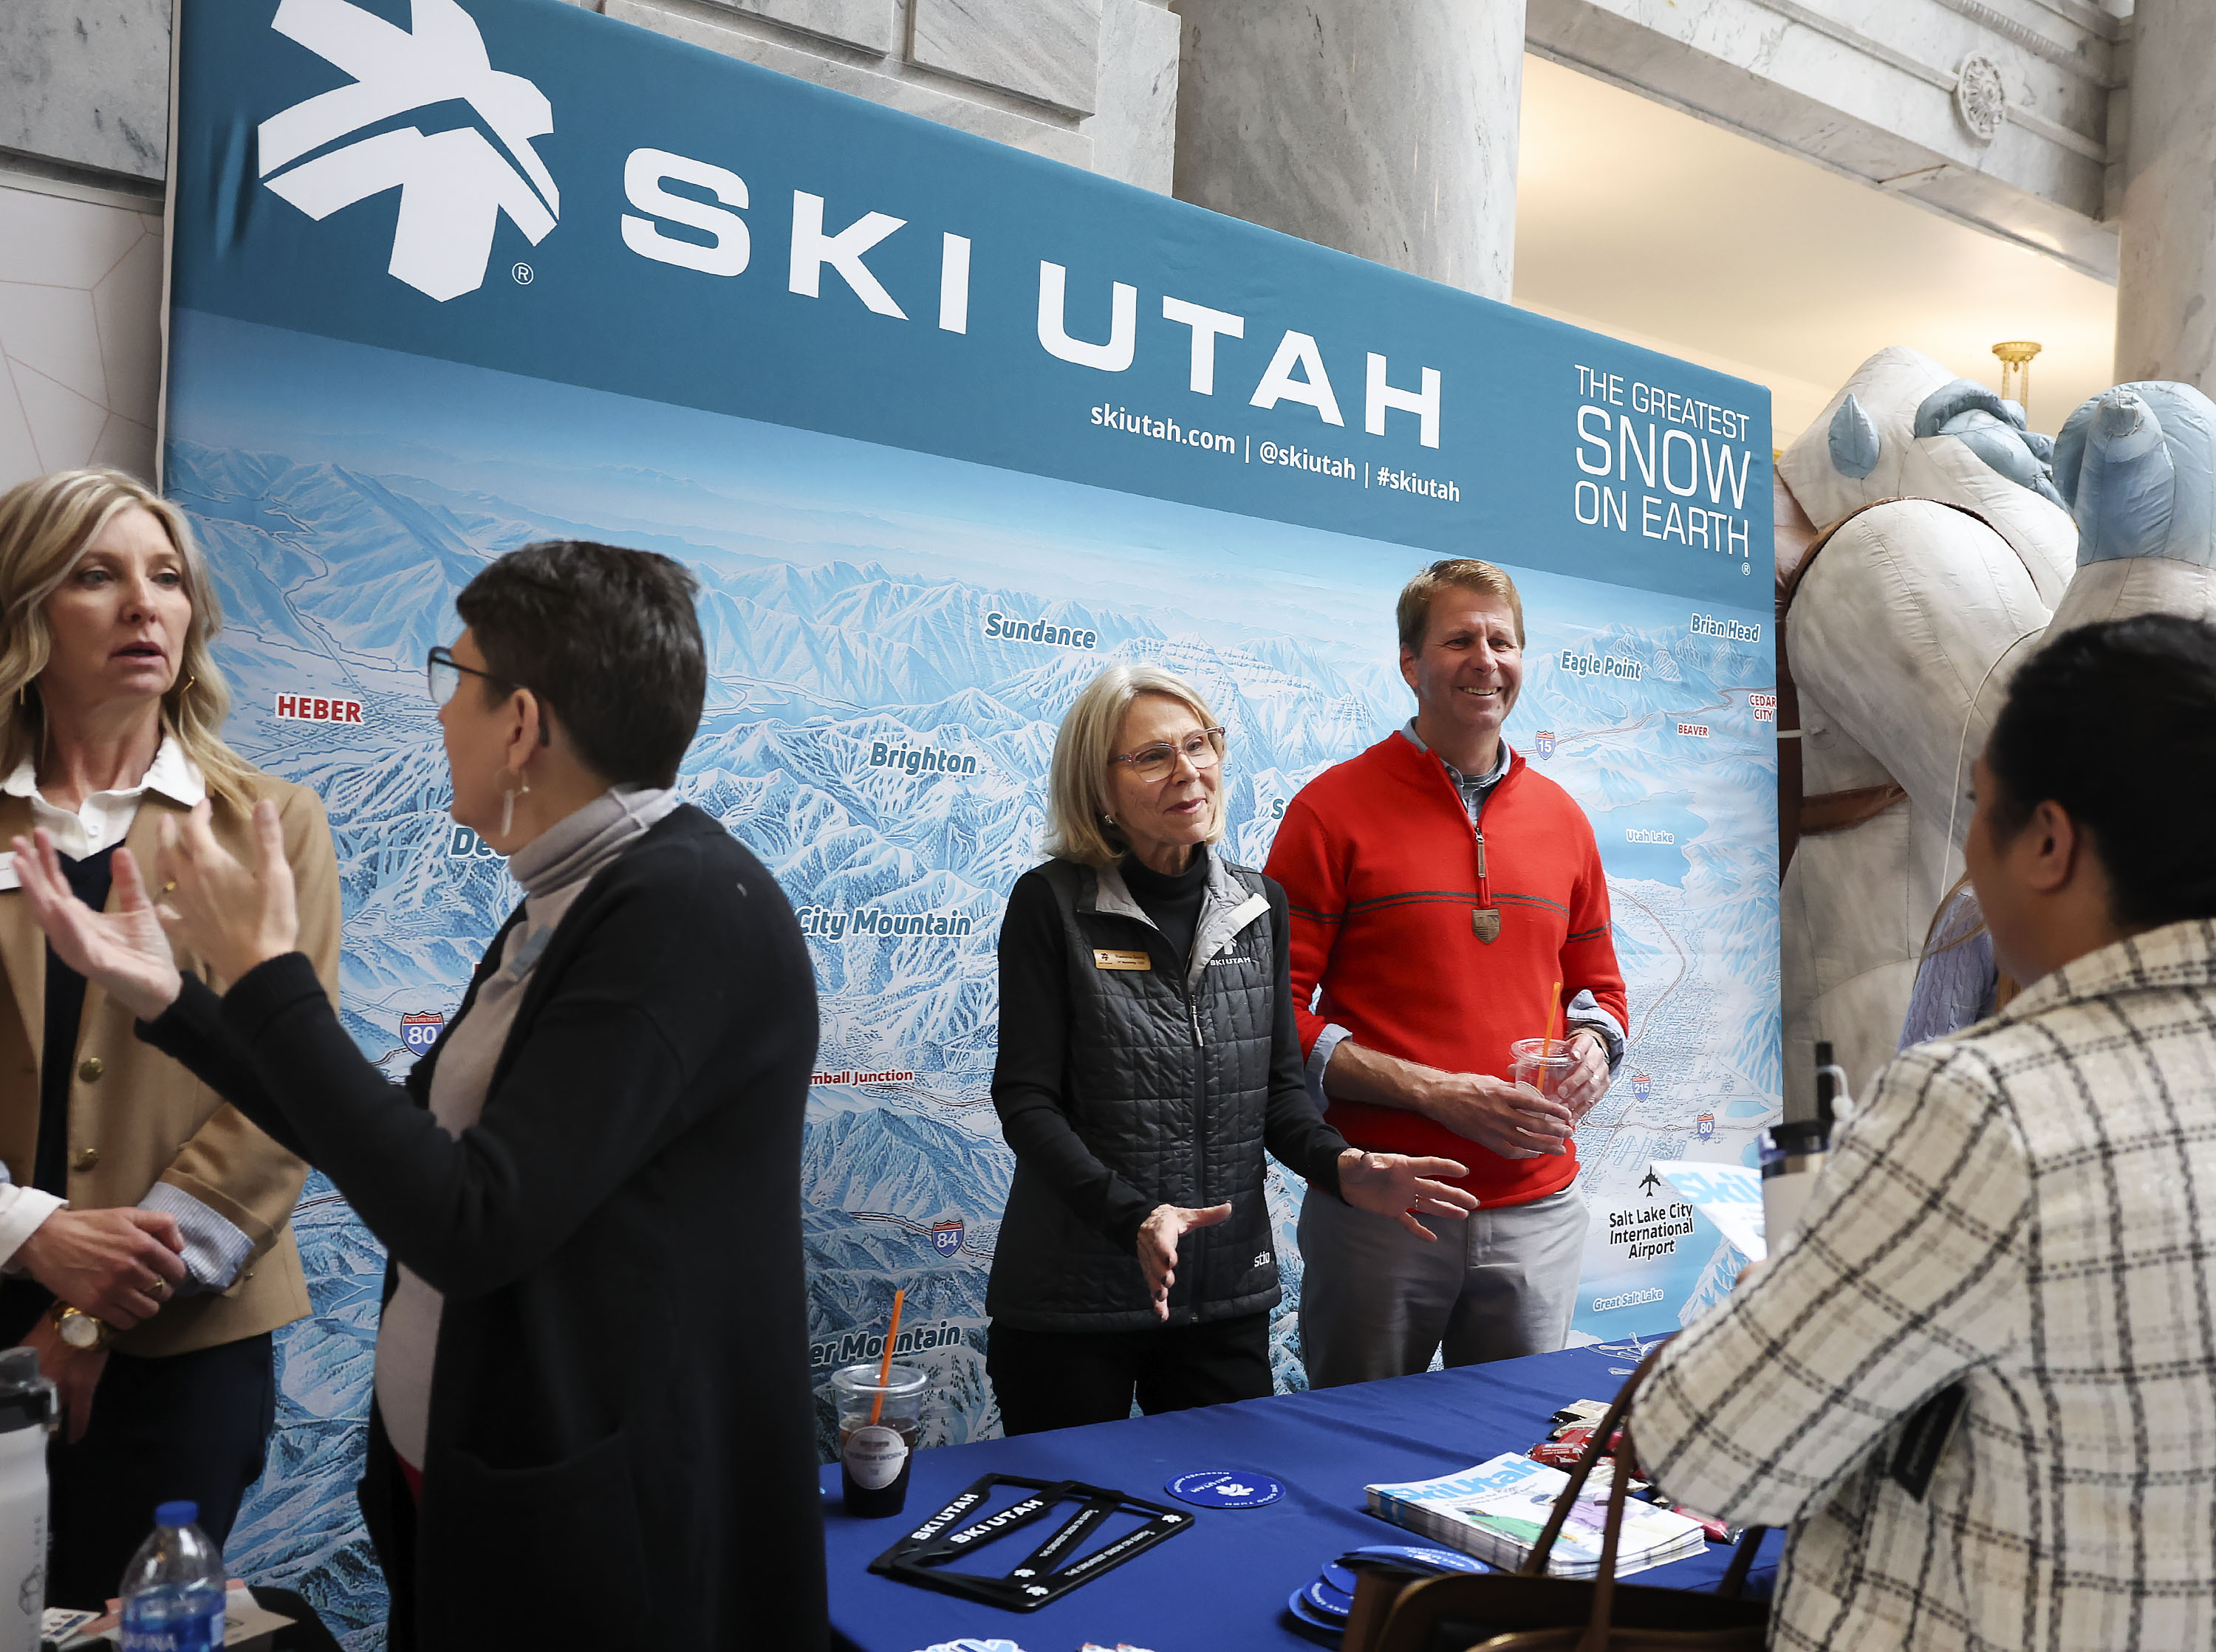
1147,1058
594,1425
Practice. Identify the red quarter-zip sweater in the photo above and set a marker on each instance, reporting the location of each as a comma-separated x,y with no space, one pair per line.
1380,864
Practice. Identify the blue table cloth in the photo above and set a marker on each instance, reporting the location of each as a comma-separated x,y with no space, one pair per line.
1223,1584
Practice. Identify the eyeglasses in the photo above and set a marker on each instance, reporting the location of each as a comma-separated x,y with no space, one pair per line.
1203,748
444,674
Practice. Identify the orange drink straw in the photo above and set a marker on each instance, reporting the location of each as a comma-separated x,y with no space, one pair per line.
1554,1014
885,1365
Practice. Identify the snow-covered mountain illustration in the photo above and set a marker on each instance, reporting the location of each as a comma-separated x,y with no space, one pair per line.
880,721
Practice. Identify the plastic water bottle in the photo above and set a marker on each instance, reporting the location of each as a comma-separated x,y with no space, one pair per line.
174,1592
27,1415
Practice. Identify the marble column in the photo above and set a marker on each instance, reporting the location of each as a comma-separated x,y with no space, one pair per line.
2166,280
1386,131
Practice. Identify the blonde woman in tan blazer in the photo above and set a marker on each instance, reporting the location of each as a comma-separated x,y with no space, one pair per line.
151,1292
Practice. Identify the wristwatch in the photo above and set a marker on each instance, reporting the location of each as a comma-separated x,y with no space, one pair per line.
81,1330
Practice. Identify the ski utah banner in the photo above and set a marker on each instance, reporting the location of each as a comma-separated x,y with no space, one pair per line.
943,428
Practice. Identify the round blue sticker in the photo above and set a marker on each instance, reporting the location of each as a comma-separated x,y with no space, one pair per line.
1298,1604
1433,1560
1328,1600
1225,1488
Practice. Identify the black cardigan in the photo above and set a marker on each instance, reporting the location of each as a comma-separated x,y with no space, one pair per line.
621,1448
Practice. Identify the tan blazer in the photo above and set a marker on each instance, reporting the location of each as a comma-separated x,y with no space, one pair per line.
136,1117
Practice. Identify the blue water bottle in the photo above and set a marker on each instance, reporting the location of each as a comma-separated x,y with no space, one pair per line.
174,1592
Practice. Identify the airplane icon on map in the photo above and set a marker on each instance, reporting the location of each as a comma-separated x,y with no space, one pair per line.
1652,1183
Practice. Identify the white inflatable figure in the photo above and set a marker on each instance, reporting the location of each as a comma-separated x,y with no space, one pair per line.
1944,553
1941,545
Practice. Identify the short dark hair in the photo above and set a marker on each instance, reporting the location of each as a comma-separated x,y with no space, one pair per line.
2116,722
608,639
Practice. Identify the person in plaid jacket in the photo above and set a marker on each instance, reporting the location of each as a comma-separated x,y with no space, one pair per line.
2018,1221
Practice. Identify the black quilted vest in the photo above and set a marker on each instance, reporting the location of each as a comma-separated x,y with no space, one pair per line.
1166,1081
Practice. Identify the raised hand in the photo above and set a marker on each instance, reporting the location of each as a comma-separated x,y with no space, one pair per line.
1157,1245
1393,1184
124,952
234,916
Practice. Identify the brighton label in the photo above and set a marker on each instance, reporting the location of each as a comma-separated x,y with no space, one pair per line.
919,760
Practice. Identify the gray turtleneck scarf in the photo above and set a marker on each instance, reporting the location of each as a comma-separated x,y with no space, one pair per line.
553,868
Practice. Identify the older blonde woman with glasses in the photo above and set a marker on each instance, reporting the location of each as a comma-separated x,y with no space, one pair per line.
1147,1058
151,1292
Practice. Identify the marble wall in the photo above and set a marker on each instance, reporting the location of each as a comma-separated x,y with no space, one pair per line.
1869,90
85,83
2166,289
83,135
1389,134
80,335
1091,82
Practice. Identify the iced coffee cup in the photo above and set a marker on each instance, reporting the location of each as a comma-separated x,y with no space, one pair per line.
1541,1063
879,1424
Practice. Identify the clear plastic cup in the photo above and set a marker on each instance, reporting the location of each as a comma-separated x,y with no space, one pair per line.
878,1426
1541,1063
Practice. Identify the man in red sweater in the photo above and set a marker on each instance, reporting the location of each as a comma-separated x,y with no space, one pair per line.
1439,889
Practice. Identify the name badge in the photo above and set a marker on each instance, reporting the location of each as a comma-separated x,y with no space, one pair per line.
1103,958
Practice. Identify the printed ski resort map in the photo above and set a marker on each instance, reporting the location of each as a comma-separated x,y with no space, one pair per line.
887,676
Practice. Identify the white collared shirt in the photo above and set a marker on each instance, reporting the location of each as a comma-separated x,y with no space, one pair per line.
215,1249
104,818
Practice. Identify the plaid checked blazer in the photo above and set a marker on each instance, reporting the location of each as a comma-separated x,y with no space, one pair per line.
2027,1208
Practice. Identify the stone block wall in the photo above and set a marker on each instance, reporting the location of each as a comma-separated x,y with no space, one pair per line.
84,138
1091,82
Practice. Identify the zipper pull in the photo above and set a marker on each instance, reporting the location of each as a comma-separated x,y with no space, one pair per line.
1481,851
1192,1008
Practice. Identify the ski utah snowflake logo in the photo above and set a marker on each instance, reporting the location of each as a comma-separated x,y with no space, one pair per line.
453,185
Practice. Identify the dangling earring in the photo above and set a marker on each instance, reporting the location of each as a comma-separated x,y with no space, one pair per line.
1108,820
187,688
508,803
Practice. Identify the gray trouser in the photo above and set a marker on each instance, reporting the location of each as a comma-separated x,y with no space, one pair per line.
1376,1301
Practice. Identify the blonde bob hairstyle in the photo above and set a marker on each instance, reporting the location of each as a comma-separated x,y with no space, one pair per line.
1077,800
45,526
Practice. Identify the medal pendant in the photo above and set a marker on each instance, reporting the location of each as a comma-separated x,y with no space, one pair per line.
1486,921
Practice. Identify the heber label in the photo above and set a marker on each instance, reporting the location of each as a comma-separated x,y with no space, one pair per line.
317,708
